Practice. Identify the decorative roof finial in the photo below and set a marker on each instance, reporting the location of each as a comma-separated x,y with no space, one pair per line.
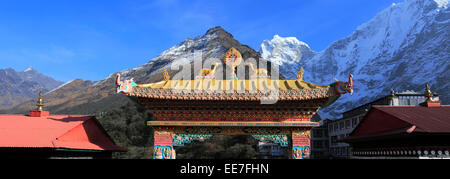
232,57
166,75
40,104
300,74
428,93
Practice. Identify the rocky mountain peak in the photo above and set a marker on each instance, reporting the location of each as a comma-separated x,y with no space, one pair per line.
219,31
402,47
18,87
29,69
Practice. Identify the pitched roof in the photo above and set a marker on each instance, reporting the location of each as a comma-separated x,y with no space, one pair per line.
55,131
254,84
426,119
385,120
232,90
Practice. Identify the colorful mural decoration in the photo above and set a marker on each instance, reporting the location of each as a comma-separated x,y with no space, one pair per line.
181,139
301,142
300,152
163,148
278,139
164,152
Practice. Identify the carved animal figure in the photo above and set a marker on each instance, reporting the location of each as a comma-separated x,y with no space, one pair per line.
257,72
208,72
344,87
124,86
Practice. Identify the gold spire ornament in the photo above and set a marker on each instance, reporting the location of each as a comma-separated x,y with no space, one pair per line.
40,103
428,93
166,75
300,74
392,93
232,57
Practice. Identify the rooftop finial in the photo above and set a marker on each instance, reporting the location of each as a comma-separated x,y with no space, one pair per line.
40,104
166,75
300,74
428,93
232,57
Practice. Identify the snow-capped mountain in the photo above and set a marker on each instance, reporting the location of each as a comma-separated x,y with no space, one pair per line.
286,52
212,45
17,87
403,47
81,97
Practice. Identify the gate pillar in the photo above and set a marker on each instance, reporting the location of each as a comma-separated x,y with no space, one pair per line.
163,147
301,144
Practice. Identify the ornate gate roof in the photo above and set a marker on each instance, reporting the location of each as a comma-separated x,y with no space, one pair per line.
232,90
206,101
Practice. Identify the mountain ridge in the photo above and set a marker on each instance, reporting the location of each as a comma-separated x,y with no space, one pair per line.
379,55
403,47
86,97
19,86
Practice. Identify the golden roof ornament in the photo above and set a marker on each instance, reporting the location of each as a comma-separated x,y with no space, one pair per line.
232,57
300,74
166,75
392,92
392,95
40,103
428,93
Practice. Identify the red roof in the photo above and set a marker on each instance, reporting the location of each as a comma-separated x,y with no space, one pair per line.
55,131
385,120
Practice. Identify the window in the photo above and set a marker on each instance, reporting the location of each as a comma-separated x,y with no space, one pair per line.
318,144
317,133
347,124
336,127
333,140
354,122
341,125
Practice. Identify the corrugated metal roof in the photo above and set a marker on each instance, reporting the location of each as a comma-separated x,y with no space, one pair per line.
54,131
386,120
426,119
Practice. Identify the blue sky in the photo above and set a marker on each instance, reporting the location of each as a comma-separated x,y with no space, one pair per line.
91,39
